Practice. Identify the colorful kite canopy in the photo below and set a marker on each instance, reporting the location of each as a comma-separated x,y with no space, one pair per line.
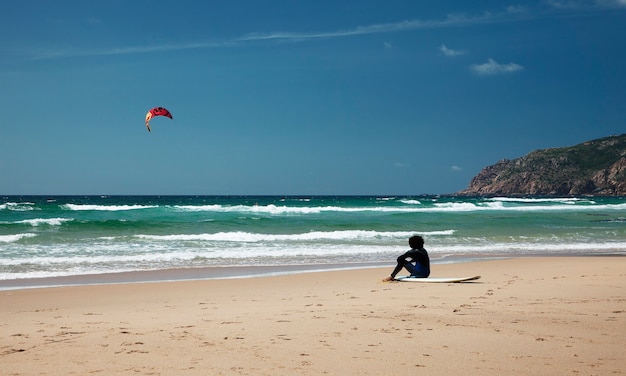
157,111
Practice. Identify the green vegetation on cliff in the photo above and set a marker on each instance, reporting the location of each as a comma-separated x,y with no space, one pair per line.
596,167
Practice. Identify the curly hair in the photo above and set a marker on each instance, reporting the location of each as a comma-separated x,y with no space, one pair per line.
416,242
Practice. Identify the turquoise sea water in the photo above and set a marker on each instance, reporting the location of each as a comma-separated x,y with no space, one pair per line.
78,235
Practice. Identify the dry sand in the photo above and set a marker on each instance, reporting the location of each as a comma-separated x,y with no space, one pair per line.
528,316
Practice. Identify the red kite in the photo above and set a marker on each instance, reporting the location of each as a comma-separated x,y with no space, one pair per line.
157,111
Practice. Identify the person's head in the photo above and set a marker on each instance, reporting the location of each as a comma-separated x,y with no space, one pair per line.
416,242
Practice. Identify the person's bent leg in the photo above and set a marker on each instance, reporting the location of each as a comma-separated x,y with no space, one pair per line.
416,270
396,270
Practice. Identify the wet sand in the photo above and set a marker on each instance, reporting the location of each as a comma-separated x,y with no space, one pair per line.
527,316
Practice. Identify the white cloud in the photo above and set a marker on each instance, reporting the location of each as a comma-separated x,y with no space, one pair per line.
456,168
450,52
492,67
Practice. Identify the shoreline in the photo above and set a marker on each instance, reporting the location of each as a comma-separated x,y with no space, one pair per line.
242,272
177,275
525,316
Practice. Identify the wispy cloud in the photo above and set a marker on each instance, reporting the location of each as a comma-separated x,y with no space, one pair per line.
492,67
507,14
452,20
586,4
456,168
450,52
610,3
54,54
516,9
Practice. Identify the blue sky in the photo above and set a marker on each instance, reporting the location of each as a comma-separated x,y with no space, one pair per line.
298,97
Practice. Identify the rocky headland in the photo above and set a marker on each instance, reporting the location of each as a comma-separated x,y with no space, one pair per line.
596,168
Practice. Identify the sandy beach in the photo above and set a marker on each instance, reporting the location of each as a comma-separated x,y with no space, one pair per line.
526,316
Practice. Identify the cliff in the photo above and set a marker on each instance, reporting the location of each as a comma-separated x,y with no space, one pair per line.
596,167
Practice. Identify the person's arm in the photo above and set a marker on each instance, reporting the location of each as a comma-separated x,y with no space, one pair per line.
400,262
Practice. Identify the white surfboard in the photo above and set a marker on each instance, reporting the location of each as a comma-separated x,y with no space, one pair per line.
406,278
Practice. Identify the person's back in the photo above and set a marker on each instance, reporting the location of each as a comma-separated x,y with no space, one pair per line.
415,260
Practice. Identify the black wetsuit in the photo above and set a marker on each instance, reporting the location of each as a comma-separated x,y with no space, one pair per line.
416,261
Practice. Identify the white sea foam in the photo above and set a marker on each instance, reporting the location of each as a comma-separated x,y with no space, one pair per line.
79,207
18,206
498,205
568,200
246,237
15,237
280,210
45,221
411,202
265,209
447,207
534,248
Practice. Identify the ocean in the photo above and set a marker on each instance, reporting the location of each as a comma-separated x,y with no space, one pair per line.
43,237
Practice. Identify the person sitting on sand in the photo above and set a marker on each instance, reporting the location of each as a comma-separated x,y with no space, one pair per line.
415,260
